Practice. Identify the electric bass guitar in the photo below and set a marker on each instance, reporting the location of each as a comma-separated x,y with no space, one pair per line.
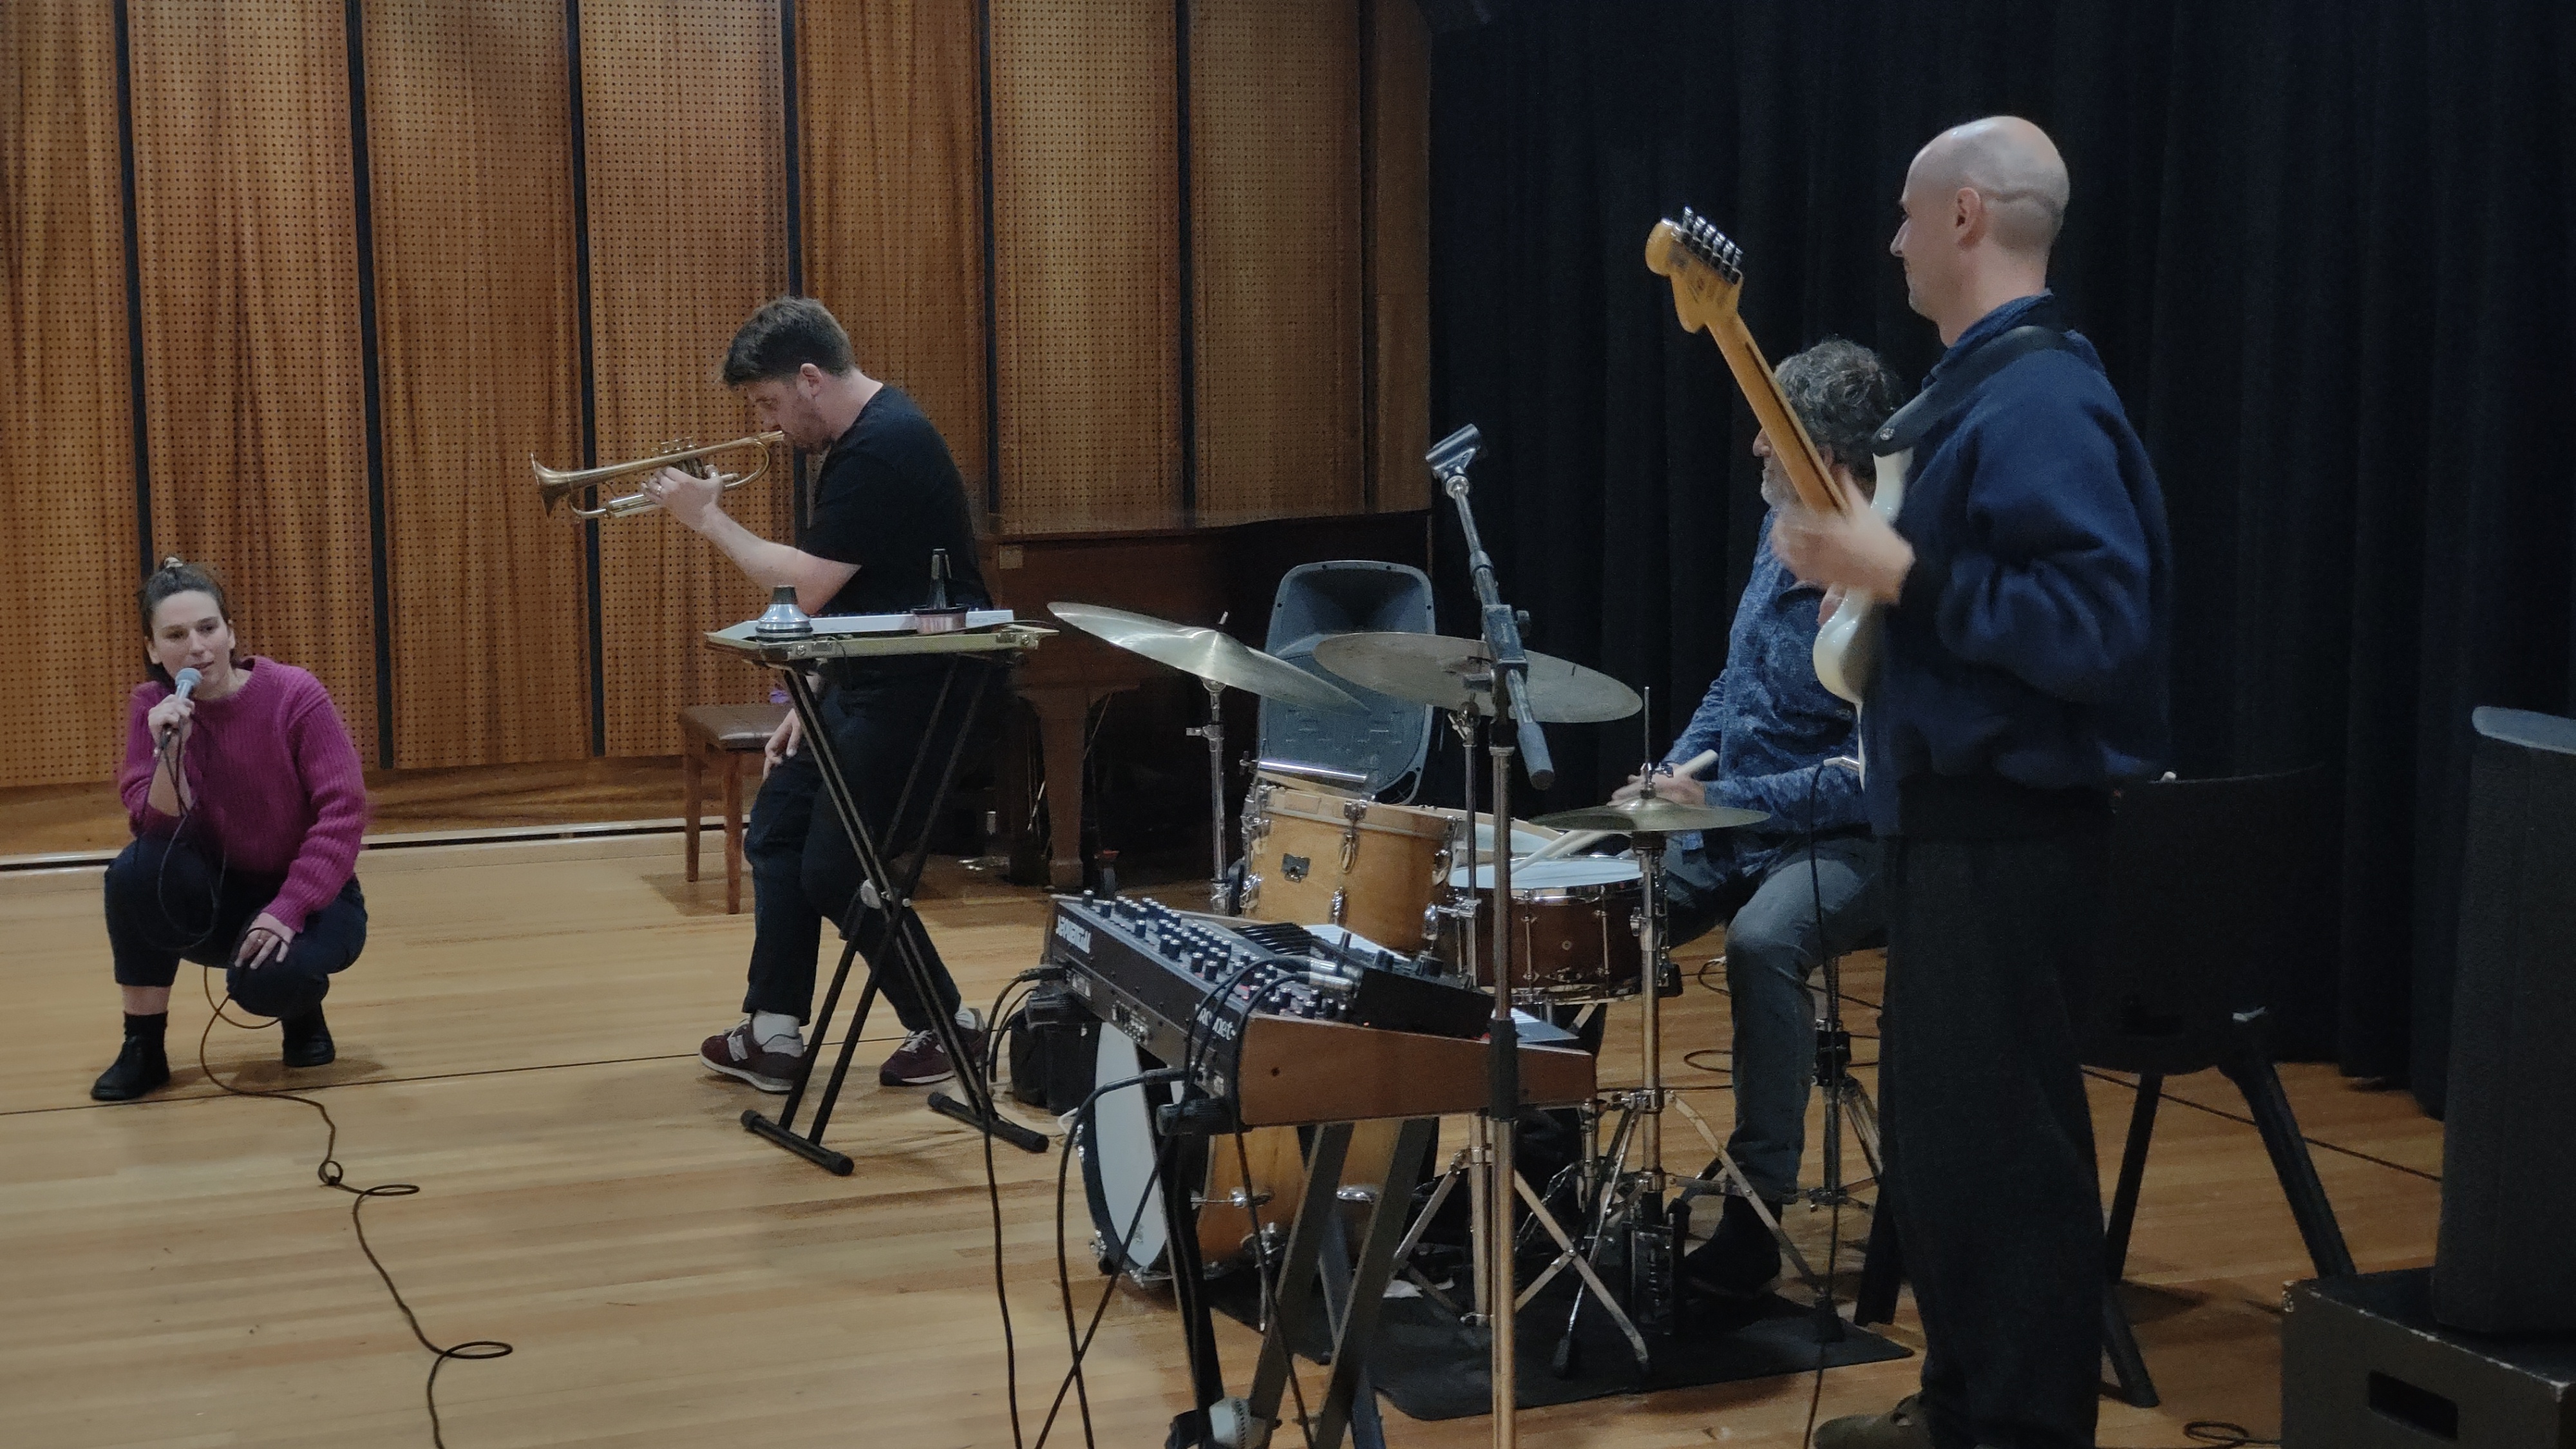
1707,273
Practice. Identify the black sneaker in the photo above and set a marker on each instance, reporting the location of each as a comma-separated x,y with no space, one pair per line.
308,1040
1740,1259
140,1067
736,1055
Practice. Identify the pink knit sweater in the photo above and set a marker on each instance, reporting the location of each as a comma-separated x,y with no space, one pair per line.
277,783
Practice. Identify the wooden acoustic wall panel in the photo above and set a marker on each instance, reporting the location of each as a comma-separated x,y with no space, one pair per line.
469,136
254,393
682,110
890,122
66,438
1087,263
1275,238
1399,200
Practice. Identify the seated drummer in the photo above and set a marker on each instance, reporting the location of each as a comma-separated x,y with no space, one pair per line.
1772,727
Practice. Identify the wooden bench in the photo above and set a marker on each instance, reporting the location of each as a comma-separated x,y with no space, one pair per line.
723,738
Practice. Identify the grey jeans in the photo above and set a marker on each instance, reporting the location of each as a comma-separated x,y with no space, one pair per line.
1771,945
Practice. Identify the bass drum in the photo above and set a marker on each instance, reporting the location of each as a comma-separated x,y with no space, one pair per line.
1130,1234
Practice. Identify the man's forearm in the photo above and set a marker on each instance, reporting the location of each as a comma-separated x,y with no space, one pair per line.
816,580
766,562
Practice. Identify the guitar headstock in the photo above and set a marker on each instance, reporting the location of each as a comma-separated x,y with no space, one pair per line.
1706,270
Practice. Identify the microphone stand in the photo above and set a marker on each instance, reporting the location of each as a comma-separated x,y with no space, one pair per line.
1509,680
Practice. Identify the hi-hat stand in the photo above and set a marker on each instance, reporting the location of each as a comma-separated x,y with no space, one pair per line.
881,915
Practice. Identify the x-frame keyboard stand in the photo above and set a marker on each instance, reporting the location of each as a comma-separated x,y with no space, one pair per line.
976,660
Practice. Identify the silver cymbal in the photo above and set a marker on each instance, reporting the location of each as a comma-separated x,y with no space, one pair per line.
1431,669
1652,815
1213,656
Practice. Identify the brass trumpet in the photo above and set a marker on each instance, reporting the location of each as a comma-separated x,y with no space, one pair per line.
556,484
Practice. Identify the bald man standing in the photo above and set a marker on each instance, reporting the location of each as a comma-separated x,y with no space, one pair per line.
2022,677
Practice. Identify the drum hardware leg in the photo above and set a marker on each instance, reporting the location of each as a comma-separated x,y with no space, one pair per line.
1569,1256
1214,733
1481,1295
1610,1202
1457,1172
1189,1287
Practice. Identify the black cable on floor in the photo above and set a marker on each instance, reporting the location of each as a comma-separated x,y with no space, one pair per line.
993,1194
332,1175
1144,1198
2225,1435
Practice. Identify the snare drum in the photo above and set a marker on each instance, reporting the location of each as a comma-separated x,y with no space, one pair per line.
1328,860
1577,929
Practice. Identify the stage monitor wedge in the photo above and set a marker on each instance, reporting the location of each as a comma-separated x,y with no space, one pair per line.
2506,1263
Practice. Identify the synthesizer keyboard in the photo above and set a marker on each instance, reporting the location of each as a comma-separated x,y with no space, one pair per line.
1272,1019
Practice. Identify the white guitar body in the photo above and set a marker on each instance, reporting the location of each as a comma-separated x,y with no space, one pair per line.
1847,646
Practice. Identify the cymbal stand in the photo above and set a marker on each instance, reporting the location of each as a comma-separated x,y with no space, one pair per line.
1221,900
1505,683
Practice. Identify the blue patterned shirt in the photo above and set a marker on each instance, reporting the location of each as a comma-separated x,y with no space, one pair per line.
1771,723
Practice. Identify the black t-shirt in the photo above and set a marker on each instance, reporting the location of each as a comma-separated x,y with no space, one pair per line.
888,493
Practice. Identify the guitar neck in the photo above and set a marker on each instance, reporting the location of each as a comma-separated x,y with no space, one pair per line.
1797,452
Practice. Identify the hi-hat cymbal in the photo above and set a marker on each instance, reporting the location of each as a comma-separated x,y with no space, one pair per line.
1431,668
1215,657
1652,815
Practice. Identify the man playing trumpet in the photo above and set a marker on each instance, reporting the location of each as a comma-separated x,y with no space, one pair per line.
887,494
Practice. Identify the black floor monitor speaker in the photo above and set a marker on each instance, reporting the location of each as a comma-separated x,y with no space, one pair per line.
2506,1262
2364,1366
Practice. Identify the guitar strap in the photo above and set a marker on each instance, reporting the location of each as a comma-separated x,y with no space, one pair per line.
1951,389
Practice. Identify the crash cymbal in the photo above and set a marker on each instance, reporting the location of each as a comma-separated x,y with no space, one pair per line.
1652,815
1430,669
1212,656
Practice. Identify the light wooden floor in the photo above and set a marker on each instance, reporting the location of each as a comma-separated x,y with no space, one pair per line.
518,1040
63,819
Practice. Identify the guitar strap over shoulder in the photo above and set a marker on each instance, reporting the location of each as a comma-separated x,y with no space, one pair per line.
1951,389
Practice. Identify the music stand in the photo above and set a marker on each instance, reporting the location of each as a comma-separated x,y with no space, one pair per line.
983,651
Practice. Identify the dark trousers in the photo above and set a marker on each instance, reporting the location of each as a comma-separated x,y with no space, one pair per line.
803,868
166,902
1987,1135
1774,938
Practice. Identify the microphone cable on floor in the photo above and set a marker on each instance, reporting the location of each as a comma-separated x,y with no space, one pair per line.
171,755
331,1174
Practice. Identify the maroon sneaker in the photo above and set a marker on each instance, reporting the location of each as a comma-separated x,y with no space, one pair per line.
736,1055
921,1060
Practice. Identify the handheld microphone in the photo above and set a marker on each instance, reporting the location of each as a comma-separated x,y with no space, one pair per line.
185,683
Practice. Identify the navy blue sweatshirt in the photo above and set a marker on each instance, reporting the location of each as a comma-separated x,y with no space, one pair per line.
2032,637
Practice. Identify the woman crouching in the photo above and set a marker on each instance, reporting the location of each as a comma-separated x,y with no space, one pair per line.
248,803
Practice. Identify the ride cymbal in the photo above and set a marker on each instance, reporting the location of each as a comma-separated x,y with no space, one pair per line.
1433,669
1213,656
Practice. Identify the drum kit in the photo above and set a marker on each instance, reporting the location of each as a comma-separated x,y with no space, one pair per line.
1586,931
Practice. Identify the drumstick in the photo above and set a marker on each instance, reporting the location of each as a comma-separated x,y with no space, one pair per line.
1586,839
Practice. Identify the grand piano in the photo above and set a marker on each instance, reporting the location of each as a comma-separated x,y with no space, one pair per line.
1187,575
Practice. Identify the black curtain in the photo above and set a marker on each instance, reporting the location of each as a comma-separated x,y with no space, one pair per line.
2323,247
